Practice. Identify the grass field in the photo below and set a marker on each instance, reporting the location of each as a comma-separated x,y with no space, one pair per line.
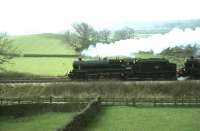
41,44
43,122
40,66
146,119
51,44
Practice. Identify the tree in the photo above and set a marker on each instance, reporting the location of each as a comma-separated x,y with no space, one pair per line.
104,36
181,51
84,34
72,39
5,48
122,34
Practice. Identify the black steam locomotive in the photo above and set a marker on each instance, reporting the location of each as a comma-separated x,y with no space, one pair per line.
154,68
191,68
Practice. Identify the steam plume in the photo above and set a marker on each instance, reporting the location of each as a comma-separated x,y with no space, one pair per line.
157,43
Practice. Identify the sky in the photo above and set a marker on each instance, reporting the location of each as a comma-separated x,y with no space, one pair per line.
55,16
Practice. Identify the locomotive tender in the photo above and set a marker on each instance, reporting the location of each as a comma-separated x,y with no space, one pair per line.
154,68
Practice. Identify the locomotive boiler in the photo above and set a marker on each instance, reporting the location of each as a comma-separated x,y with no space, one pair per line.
125,69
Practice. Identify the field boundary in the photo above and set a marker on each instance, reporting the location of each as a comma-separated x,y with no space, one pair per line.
107,101
151,101
81,120
29,109
45,55
35,100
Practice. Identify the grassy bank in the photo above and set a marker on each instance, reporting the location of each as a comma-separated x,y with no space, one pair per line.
146,119
40,66
111,89
41,44
43,122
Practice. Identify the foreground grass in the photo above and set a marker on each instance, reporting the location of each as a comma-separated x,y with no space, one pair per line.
41,44
40,66
43,122
146,119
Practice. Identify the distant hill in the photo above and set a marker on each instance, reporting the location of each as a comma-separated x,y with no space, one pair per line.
156,26
42,44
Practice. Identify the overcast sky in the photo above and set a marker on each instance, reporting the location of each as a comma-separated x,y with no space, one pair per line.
39,16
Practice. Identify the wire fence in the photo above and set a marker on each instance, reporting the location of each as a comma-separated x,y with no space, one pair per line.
105,101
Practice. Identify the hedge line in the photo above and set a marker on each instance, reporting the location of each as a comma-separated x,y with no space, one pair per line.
43,55
80,121
29,109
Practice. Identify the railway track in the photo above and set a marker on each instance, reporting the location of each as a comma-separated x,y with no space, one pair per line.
65,79
34,80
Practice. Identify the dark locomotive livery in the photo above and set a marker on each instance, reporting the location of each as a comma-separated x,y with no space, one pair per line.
154,68
191,68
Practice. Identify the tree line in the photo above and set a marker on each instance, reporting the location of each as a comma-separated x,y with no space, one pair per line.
182,51
84,35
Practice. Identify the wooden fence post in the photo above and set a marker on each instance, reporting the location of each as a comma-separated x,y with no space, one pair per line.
175,102
50,99
19,100
127,101
154,102
1,101
133,102
99,99
182,101
38,99
196,100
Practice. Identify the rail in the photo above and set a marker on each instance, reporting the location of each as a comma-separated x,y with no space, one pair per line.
107,101
33,79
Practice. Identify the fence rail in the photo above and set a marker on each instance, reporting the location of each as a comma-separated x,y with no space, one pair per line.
150,101
43,100
105,101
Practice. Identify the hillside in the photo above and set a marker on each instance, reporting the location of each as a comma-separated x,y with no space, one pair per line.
47,44
153,27
41,44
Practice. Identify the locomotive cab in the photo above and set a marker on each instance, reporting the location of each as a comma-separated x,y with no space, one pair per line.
192,67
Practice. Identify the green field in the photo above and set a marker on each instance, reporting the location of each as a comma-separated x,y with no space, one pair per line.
43,122
40,66
41,44
146,119
53,44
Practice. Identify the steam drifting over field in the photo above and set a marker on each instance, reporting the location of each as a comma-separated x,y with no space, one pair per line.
156,43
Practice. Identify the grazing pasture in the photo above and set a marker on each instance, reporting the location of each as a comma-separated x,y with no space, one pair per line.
41,122
121,118
41,44
40,66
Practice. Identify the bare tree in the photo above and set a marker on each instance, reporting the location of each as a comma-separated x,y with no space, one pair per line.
125,33
104,36
5,48
85,34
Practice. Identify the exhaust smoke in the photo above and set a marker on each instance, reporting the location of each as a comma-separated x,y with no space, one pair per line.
156,43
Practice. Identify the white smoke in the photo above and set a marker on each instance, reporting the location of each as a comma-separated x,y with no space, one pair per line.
157,43
198,53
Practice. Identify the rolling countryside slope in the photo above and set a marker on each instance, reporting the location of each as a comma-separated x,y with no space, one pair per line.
41,44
